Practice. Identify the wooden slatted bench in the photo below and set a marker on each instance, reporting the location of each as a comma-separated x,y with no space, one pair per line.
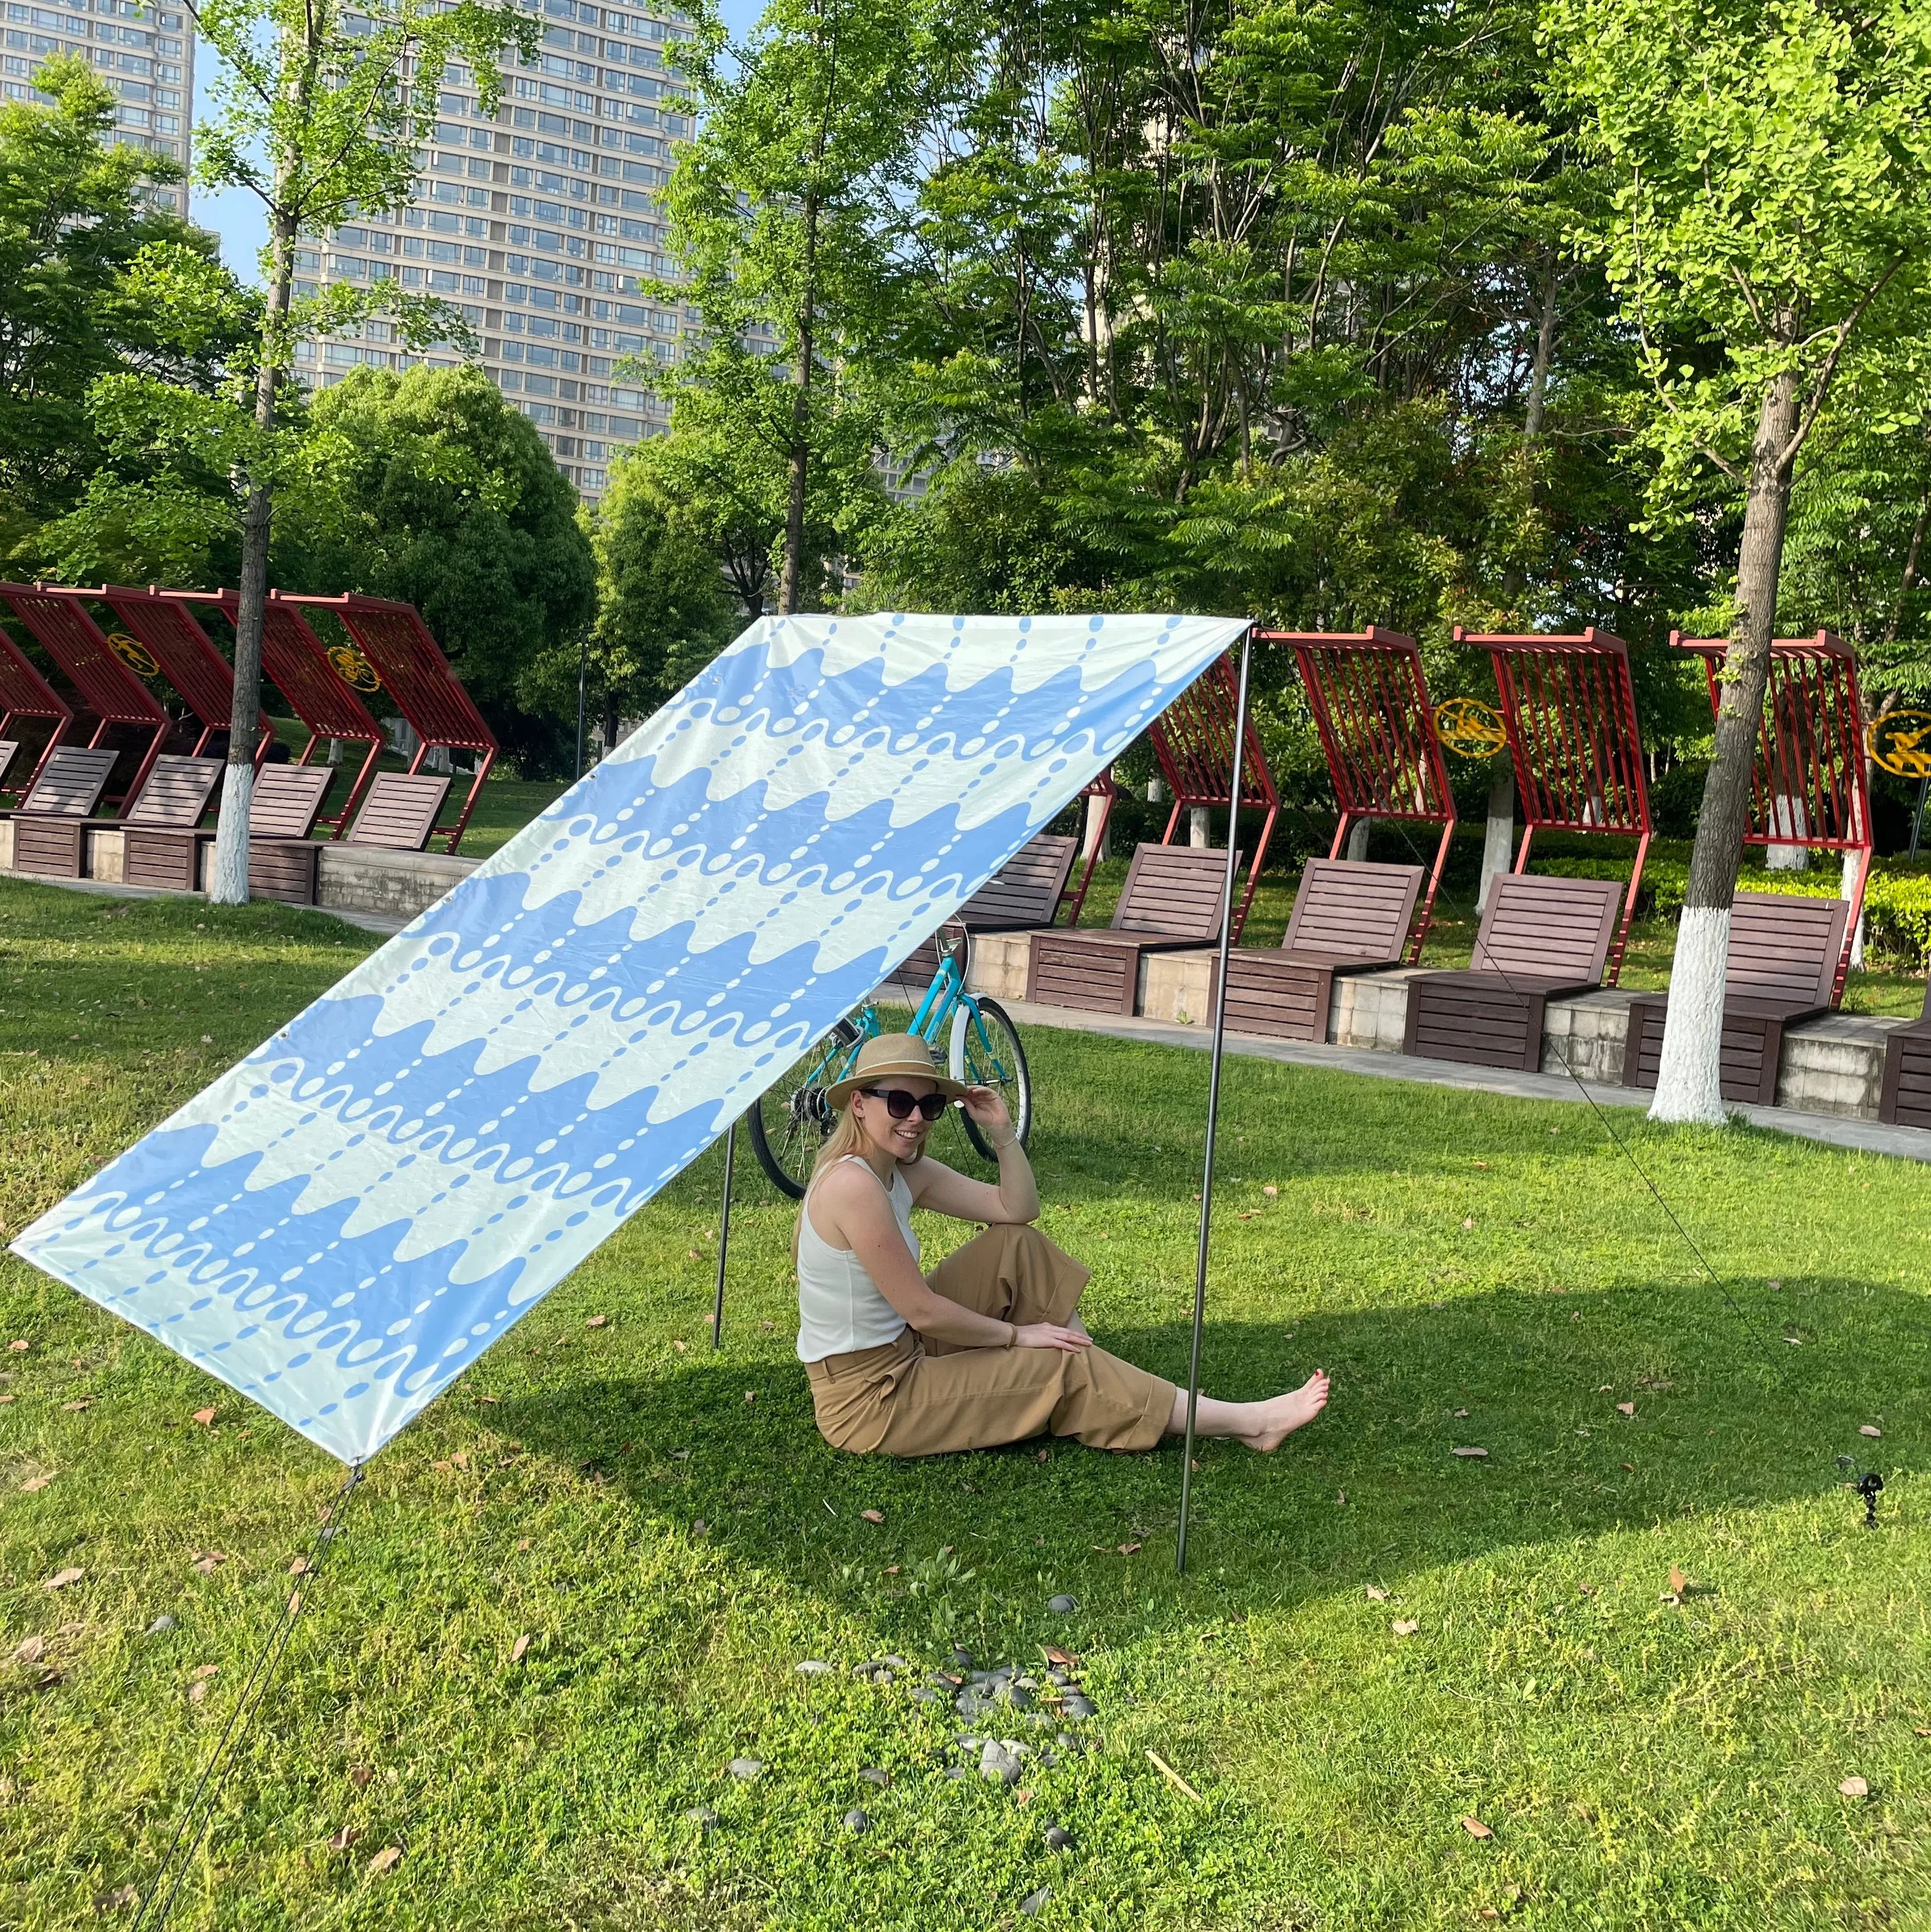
172,802
1349,916
1904,1099
1780,968
1024,893
399,814
1541,939
281,860
10,749
50,827
1172,900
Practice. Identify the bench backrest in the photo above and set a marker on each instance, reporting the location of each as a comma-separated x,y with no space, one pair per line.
1353,909
1782,946
1025,891
176,793
70,782
285,799
399,812
1541,927
1173,892
9,749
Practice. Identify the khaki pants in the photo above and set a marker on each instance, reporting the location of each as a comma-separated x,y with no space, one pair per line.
916,1396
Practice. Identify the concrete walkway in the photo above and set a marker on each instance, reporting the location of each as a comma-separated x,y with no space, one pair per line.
1867,1136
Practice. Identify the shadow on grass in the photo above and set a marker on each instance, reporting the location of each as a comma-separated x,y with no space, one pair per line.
1371,1491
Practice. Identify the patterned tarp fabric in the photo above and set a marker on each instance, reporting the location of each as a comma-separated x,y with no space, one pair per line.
344,1221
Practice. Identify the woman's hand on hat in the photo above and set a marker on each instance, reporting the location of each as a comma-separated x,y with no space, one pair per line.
1050,1335
986,1106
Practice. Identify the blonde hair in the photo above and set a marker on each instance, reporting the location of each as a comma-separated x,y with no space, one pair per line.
847,1137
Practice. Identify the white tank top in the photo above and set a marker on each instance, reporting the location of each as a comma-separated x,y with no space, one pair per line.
839,1306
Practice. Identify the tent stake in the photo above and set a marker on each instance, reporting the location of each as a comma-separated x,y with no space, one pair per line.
1213,1090
724,1237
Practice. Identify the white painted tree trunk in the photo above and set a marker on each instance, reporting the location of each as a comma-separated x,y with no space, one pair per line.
1846,885
1357,841
1787,820
1097,832
1197,827
1689,1085
1498,839
228,885
1156,792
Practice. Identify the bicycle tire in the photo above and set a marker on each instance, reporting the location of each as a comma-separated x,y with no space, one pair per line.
1011,1075
789,1122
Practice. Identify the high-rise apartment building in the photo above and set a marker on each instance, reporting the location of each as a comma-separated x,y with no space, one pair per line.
540,222
145,53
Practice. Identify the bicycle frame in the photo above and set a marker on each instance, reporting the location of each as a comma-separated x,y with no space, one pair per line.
943,999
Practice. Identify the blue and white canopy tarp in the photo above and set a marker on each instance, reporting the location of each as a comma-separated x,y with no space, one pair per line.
344,1220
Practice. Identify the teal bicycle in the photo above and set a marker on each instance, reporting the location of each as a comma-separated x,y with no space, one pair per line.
972,1037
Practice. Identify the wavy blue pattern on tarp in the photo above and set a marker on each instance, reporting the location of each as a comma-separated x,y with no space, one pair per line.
344,1220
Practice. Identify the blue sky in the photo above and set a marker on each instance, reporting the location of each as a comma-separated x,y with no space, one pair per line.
236,215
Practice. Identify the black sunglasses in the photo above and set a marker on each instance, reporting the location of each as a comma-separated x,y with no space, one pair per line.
899,1104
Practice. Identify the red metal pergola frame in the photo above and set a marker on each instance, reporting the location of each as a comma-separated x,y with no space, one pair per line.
1193,740
396,642
296,662
63,629
24,693
1376,723
186,655
1812,732
1569,707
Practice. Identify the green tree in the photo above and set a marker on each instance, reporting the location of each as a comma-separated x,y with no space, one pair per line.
87,272
426,487
1774,208
319,111
805,135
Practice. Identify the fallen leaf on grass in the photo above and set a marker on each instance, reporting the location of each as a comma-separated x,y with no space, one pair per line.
1462,1415
682,1347
1271,1191
1870,1430
208,1560
30,1650
300,1567
872,1515
1376,1594
693,1254
1855,1787
520,1648
385,1860
1625,1408
206,1417
1065,1659
1474,1827
1678,1582
117,1901
360,1776
1481,1164
1482,1453
597,1321
33,1483
892,1570
198,1691
60,1578
1405,1626
344,1838
1468,1220
1044,1456
18,1347
85,1402
1631,1467
201,1672
523,1542
1129,1549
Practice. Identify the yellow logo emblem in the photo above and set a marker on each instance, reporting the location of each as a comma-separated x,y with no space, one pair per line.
135,654
353,669
1470,728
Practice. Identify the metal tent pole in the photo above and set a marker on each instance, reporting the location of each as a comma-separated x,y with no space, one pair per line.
1213,1089
582,681
723,1237
1918,817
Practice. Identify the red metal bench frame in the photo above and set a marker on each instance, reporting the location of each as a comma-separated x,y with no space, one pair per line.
414,671
63,627
186,654
1813,726
1193,740
295,662
1568,708
1376,723
24,693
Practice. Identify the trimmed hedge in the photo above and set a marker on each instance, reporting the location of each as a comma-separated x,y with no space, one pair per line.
1897,903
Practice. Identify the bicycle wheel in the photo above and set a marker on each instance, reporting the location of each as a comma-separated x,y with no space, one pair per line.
989,1055
791,1120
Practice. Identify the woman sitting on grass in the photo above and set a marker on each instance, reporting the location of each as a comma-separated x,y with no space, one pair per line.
989,1348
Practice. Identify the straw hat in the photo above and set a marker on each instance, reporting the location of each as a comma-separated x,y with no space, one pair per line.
891,1053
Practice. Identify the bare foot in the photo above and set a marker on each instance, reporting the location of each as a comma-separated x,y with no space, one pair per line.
1277,1420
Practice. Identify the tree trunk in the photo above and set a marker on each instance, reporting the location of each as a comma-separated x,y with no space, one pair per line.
229,884
790,586
1545,356
1688,1085
1098,836
1498,837
1357,841
1197,834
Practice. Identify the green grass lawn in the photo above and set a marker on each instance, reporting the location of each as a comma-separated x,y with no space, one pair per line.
669,1533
